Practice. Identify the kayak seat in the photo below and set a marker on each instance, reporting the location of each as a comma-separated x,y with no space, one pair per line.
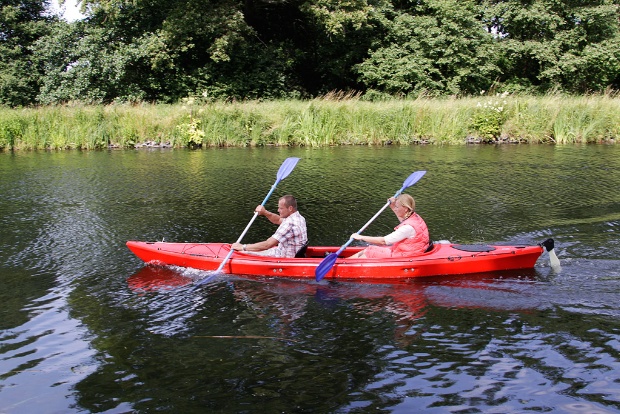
302,251
474,248
430,246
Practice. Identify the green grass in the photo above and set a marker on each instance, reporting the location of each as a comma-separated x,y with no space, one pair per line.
336,119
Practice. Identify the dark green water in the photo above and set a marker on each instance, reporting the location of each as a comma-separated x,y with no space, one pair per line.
85,327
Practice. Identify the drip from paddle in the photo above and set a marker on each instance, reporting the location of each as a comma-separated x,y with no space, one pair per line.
285,169
325,266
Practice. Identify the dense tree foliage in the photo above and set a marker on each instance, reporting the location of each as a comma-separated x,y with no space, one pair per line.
22,22
437,46
163,50
572,45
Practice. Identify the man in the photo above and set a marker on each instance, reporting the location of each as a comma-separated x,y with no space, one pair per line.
290,236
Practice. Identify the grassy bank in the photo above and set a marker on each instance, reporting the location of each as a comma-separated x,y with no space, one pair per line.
332,120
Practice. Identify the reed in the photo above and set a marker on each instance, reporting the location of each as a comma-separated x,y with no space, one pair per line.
335,119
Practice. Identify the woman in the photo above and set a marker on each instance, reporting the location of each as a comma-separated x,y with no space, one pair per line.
409,238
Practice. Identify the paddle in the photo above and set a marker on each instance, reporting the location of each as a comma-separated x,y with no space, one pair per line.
285,169
549,245
327,263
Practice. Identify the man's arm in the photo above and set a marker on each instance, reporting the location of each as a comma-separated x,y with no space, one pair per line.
256,247
272,217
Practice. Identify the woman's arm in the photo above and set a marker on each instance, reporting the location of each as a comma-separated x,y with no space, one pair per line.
380,241
402,233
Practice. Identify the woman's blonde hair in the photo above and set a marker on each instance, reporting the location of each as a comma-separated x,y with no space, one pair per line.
407,201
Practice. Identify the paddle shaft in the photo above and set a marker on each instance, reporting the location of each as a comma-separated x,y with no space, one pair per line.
411,180
366,225
273,187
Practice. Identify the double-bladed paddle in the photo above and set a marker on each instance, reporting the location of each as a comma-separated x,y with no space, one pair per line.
285,169
325,266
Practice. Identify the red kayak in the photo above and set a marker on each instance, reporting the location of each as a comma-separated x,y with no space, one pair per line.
442,259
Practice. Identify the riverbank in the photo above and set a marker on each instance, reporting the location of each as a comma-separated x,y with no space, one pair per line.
331,120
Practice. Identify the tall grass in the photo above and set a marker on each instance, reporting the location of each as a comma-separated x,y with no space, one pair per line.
335,119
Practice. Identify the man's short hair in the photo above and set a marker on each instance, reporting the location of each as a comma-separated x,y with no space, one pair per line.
289,201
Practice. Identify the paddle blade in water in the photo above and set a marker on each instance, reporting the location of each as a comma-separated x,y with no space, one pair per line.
549,245
553,260
325,266
207,278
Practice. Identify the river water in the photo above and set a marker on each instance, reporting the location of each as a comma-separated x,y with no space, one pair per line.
86,327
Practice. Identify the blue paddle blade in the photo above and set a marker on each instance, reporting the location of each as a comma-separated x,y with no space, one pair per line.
325,266
412,179
287,166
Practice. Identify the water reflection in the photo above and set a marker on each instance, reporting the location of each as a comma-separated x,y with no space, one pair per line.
155,278
287,300
87,327
482,338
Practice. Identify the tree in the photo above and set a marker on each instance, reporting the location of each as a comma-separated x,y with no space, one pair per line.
87,64
22,22
435,46
163,50
338,35
569,45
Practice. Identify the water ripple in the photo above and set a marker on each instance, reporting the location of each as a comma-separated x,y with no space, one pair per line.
87,327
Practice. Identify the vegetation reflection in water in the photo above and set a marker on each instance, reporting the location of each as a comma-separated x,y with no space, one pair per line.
88,327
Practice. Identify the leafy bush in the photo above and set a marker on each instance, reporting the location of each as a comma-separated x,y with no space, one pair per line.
191,132
489,117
